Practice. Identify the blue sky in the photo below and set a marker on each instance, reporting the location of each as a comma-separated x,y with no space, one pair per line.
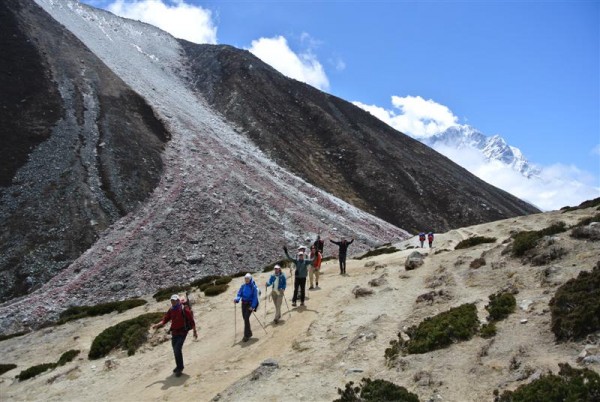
525,70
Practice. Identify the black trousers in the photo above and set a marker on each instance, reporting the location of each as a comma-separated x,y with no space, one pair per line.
246,313
342,259
177,344
299,283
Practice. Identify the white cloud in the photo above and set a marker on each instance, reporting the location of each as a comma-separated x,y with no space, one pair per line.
303,67
557,186
414,116
182,20
596,150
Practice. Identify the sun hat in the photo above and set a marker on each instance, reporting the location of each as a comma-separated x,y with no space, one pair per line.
248,276
175,297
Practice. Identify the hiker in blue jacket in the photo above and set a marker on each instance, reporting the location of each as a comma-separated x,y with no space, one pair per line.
248,294
301,272
277,280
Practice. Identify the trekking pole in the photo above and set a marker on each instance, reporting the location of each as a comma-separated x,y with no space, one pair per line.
266,298
235,323
255,316
286,304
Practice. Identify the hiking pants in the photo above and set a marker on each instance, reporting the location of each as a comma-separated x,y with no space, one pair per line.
246,313
299,283
342,259
312,273
277,299
177,343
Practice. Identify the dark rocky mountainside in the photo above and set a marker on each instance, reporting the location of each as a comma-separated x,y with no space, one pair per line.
88,147
340,148
118,178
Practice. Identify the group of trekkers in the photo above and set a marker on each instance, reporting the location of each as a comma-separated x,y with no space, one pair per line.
305,264
429,238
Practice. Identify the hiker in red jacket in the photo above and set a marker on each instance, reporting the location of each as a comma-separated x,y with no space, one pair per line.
182,320
315,267
430,239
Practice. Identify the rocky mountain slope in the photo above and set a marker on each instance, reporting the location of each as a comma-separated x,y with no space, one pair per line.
136,182
338,337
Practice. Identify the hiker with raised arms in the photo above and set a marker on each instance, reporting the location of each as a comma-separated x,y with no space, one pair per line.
343,249
182,320
301,263
277,280
248,294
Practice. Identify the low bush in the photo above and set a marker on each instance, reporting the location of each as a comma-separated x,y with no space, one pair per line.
375,391
219,280
378,251
570,385
76,312
6,367
165,293
67,357
240,274
587,221
501,306
35,370
474,241
488,330
575,307
477,263
584,232
325,259
527,240
271,267
437,332
129,335
207,280
586,204
215,290
5,337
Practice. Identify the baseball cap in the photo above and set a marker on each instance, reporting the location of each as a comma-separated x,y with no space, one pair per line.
175,297
277,266
248,276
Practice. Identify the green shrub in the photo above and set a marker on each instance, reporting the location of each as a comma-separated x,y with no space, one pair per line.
378,251
583,232
215,290
587,221
457,324
240,274
218,280
575,307
586,204
67,357
527,240
375,391
488,330
76,312
165,293
501,306
129,335
570,385
271,267
35,370
474,241
207,280
5,337
6,367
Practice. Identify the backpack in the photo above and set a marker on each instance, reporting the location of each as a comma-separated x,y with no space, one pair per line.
186,305
422,236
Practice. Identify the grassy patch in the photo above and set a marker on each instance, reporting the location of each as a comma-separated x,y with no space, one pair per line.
527,240
488,330
575,307
219,281
375,391
165,293
271,267
35,370
570,385
5,337
378,251
6,367
215,290
501,306
587,221
129,335
76,312
586,204
437,332
67,357
474,241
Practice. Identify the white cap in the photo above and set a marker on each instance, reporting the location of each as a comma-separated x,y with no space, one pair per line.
175,297
277,266
248,276
301,247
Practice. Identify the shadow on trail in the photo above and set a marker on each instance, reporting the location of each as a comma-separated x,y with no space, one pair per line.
171,381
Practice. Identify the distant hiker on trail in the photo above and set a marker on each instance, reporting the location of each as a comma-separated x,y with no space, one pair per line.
319,243
301,271
430,239
343,248
315,267
422,238
277,280
182,320
248,294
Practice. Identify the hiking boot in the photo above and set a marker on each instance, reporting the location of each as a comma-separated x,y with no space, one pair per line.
293,304
177,369
245,339
302,303
276,320
178,374
311,288
317,284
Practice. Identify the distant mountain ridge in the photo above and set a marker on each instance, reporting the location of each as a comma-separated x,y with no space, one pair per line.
494,148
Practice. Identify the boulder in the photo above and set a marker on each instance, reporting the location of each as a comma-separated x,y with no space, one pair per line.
414,261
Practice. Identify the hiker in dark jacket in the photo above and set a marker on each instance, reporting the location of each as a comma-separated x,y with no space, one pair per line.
319,244
277,280
300,274
179,315
248,294
343,249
